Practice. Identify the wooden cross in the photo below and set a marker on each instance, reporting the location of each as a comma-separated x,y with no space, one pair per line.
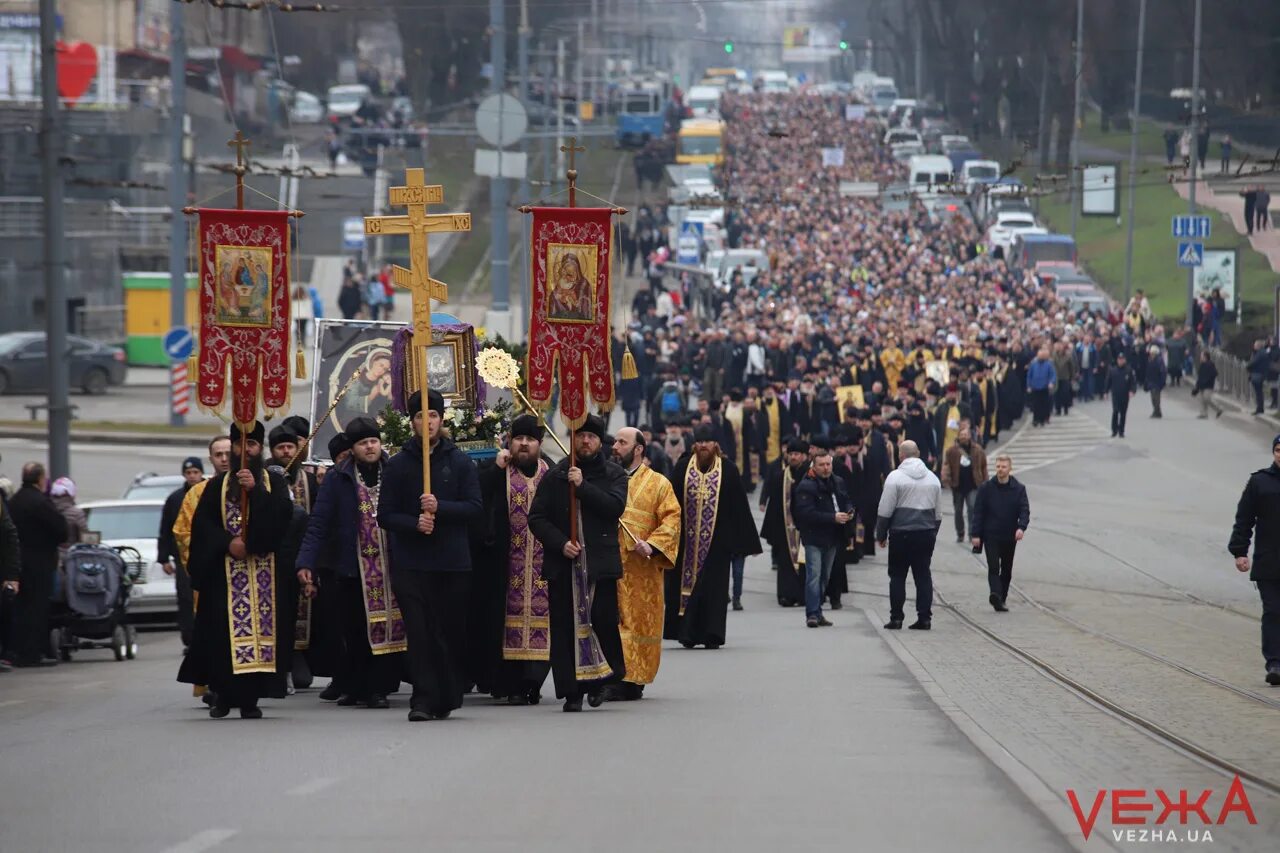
572,173
419,225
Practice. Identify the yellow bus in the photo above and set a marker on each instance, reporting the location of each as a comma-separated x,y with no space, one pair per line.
701,140
730,78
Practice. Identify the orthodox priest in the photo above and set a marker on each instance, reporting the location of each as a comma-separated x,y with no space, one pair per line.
511,652
345,525
431,555
239,522
582,566
285,444
649,541
777,527
716,526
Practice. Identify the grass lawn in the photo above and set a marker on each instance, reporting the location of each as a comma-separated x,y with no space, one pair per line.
1155,267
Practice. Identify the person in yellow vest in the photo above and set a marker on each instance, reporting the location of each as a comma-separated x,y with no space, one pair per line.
649,539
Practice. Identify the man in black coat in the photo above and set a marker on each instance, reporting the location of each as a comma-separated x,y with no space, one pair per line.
167,555
431,556
1001,514
1123,385
583,664
10,577
1258,518
41,529
822,511
918,429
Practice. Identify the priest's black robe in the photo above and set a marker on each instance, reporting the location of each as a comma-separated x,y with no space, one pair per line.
877,464
208,660
325,653
487,617
773,529
703,622
850,550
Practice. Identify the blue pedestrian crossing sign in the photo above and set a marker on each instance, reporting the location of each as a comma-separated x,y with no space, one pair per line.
1190,254
1194,227
179,343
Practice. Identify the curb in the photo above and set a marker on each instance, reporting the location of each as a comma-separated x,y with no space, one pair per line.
119,438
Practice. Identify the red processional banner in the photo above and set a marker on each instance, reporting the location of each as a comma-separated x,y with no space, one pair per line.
571,255
244,312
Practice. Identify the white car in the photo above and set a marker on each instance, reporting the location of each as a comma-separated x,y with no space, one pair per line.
1009,225
136,523
902,136
306,109
344,101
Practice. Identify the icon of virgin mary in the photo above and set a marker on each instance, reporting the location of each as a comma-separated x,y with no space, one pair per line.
571,296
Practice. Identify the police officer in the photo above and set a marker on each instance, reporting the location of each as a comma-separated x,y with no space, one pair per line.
1259,513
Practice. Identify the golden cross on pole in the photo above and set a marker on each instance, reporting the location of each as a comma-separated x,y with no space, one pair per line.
414,196
240,143
572,174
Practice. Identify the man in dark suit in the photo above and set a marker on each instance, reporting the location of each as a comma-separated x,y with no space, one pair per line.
41,529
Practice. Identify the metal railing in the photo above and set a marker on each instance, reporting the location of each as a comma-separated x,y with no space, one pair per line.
21,216
1233,375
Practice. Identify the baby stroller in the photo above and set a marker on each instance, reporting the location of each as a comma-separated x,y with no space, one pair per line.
97,583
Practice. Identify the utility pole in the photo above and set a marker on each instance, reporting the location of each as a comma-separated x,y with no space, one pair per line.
1133,153
1042,126
499,253
1195,133
522,62
919,57
559,103
578,65
177,186
1074,195
55,284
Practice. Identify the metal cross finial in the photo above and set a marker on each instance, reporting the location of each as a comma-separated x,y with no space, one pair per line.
572,173
240,143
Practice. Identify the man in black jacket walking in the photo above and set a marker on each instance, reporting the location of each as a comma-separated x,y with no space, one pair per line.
821,510
1123,385
1258,513
41,529
431,556
1206,379
1001,514
582,567
168,557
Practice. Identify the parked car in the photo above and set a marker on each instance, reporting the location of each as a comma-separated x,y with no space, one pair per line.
24,364
901,135
1008,223
154,597
345,101
152,487
306,109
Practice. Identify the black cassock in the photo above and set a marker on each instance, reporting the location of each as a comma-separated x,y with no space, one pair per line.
877,464
703,622
487,615
208,660
773,529
850,551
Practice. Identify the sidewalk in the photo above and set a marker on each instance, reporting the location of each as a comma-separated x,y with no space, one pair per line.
1228,203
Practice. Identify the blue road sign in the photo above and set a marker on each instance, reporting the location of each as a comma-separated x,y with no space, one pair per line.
179,344
352,234
1190,254
1192,227
689,243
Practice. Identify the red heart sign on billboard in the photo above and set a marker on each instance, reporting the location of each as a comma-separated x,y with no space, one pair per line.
77,66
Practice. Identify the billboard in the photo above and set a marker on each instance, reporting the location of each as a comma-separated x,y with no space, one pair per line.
1218,272
810,42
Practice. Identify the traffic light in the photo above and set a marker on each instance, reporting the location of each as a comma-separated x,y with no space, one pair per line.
728,47
844,45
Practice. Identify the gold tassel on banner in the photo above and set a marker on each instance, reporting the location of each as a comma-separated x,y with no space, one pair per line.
193,366
629,364
300,363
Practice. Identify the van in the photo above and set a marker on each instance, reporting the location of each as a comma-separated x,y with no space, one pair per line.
927,173
1031,249
704,101
883,93
773,81
975,172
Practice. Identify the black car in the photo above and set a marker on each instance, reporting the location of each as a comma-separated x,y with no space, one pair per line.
24,364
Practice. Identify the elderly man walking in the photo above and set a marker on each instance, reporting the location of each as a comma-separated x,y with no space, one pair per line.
908,518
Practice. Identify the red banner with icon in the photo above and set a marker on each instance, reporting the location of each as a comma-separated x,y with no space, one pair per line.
571,255
244,312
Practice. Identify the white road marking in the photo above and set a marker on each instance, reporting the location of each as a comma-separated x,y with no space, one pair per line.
9,703
201,841
313,787
1062,438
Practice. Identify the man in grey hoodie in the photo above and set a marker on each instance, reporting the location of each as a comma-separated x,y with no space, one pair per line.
908,517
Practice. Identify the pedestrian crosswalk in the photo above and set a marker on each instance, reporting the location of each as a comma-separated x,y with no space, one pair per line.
1063,437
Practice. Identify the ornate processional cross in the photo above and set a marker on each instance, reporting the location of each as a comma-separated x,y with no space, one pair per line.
419,225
